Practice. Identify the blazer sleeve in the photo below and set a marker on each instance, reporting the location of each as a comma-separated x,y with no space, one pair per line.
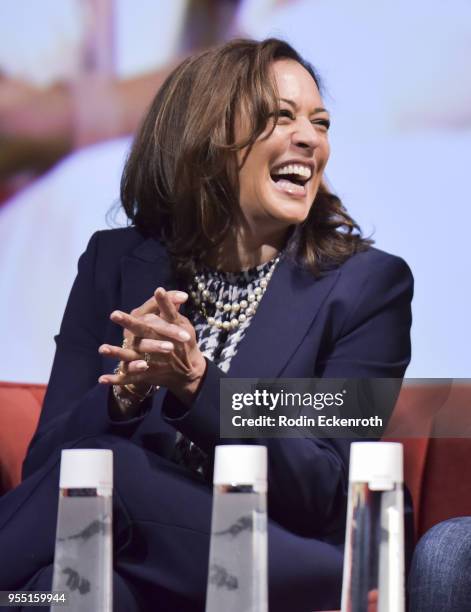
374,339
308,478
75,405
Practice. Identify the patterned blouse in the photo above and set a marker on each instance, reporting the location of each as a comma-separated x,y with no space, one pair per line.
218,345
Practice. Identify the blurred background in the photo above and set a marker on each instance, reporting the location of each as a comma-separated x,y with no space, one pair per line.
77,75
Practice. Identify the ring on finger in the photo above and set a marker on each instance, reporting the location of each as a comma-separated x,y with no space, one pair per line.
118,371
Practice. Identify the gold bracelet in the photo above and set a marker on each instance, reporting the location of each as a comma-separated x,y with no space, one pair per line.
131,388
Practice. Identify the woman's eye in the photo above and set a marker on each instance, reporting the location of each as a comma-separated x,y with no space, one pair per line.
325,123
284,112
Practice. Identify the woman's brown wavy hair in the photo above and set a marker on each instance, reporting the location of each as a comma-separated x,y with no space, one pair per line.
180,183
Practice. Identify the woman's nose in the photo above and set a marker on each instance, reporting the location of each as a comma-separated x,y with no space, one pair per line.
305,135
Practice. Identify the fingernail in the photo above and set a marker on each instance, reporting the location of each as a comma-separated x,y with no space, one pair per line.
181,295
102,380
166,346
117,315
104,350
160,291
141,365
183,335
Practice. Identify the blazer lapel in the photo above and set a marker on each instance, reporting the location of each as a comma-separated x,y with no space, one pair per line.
286,312
142,272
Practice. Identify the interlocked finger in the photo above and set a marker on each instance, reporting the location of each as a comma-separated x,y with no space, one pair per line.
124,355
138,366
120,377
150,326
147,345
150,306
166,306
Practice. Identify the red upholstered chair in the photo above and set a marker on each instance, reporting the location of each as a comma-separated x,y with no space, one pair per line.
20,407
434,467
446,483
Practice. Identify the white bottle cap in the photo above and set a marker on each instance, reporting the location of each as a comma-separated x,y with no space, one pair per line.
240,464
86,468
380,464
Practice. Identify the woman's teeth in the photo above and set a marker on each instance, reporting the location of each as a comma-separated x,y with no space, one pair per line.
297,170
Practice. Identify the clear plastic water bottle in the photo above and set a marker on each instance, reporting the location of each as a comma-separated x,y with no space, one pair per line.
237,575
83,566
373,576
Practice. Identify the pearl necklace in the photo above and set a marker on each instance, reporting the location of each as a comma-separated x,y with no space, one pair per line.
238,312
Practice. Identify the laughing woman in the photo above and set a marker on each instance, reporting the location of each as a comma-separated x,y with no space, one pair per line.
238,262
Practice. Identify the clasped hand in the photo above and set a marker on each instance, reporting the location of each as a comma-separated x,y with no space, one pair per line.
160,348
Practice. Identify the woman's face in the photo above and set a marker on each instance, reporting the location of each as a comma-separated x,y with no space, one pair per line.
280,176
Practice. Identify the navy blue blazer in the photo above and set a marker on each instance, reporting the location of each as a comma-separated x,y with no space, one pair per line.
353,321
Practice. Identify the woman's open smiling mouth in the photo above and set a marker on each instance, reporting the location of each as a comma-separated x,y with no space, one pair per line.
291,178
